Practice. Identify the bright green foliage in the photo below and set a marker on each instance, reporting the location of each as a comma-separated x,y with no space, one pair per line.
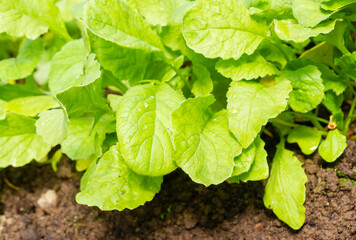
31,106
158,85
117,22
203,84
51,126
222,28
252,164
19,143
67,66
290,30
82,140
246,68
308,88
307,138
251,105
25,62
205,149
110,184
144,128
30,18
285,189
348,64
333,146
308,12
156,12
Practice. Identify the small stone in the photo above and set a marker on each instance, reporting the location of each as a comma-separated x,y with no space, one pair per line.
190,220
259,226
48,200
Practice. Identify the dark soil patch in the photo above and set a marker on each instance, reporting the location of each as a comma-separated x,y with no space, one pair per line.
182,210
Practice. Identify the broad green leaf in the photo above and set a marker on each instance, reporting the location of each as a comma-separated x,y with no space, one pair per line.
156,12
307,138
333,146
308,88
12,91
246,68
251,164
87,97
2,109
205,148
222,28
203,84
24,63
124,63
289,30
111,185
82,140
322,53
19,143
348,64
308,12
144,128
114,101
51,126
30,18
285,189
31,106
251,104
331,81
336,36
335,5
115,21
65,7
333,102
67,66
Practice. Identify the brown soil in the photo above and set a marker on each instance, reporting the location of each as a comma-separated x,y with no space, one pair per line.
182,210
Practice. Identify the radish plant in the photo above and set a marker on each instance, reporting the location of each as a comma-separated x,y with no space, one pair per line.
133,90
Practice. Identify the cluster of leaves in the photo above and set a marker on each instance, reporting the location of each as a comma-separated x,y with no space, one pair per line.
132,90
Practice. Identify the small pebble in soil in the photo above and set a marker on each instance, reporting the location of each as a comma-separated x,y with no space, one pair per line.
47,200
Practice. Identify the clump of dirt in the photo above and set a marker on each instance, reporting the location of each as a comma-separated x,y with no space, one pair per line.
182,210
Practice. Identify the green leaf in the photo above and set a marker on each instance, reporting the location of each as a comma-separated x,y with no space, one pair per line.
289,30
24,63
333,102
333,146
30,18
252,164
348,64
114,101
31,106
308,88
144,128
251,104
82,140
285,189
307,138
203,84
19,143
222,28
12,91
156,12
335,5
205,148
67,66
129,190
2,109
322,53
51,126
331,81
124,63
308,12
115,21
336,36
246,68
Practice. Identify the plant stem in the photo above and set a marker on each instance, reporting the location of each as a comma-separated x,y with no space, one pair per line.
280,121
350,115
310,116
